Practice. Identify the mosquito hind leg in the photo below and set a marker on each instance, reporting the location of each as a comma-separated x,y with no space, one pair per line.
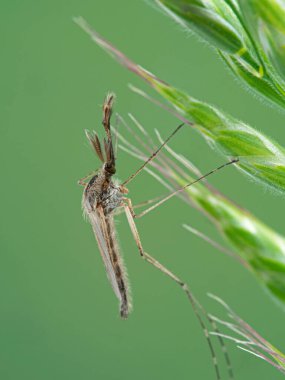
120,210
196,307
82,181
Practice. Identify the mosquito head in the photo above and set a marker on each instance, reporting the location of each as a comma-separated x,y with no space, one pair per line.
105,150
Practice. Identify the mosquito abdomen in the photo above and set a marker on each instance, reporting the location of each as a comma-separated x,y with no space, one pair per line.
119,269
124,312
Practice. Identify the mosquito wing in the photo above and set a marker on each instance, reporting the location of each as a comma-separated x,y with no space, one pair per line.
103,230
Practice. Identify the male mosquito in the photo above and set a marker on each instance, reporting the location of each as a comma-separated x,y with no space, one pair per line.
102,196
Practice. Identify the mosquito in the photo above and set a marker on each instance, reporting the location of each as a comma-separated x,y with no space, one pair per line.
102,196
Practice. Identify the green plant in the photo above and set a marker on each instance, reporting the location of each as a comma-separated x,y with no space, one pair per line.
256,246
248,339
248,34
249,37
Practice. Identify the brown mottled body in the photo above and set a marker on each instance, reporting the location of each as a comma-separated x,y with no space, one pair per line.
101,197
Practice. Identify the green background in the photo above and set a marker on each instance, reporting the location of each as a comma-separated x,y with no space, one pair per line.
59,317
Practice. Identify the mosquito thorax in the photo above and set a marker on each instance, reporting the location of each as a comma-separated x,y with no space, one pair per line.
103,191
111,198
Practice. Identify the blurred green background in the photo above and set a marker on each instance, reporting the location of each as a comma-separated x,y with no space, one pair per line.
59,317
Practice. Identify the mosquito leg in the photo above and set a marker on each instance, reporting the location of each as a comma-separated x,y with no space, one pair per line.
149,201
82,183
129,209
183,285
153,155
82,180
120,210
195,304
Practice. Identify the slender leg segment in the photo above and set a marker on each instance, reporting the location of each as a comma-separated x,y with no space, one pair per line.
82,180
120,210
129,213
154,154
